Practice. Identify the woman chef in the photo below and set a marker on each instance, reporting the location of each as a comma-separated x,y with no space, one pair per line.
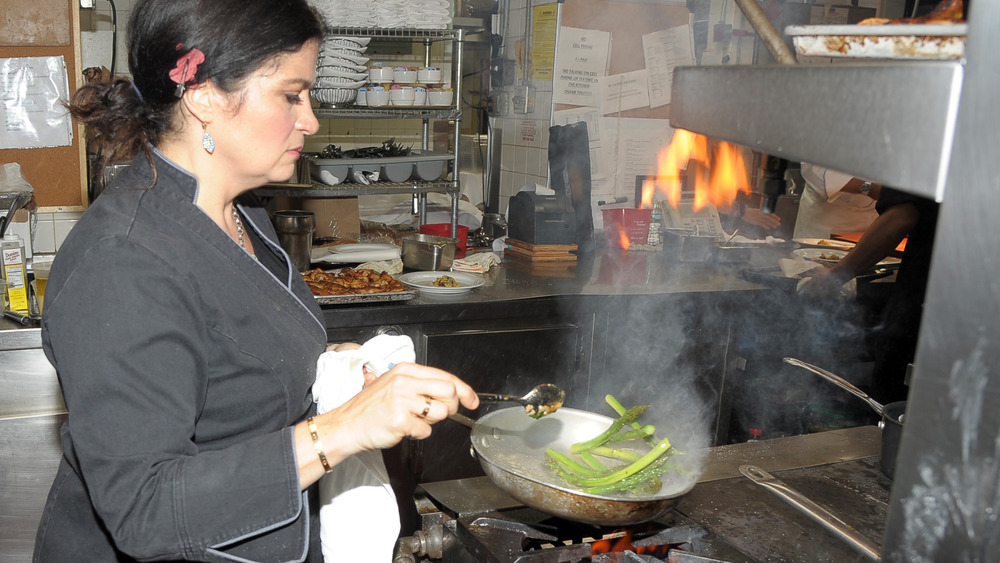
185,341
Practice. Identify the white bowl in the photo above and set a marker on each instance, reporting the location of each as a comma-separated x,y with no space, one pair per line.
429,75
440,97
377,98
419,96
338,82
402,96
333,95
404,75
380,74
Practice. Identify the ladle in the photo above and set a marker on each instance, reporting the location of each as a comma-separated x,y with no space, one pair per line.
540,401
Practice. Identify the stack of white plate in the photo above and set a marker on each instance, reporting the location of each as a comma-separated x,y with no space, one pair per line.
390,13
347,13
418,14
428,14
340,70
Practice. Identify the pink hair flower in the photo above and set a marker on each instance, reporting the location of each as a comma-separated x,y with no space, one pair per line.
186,69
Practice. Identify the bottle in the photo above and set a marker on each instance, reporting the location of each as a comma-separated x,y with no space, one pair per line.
755,434
12,260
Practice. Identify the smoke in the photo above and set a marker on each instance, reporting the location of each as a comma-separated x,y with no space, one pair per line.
706,353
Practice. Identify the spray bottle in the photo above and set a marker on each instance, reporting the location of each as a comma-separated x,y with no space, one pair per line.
12,261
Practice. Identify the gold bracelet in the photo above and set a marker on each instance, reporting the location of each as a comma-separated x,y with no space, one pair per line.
318,445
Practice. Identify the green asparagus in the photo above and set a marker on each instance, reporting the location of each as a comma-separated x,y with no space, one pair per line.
640,472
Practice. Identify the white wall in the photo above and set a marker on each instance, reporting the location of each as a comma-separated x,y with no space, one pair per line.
524,155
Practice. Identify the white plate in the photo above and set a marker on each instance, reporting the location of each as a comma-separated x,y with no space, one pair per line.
833,255
825,243
424,281
355,253
827,256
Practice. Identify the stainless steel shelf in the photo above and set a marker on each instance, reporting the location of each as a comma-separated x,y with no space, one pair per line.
449,113
401,34
890,122
351,189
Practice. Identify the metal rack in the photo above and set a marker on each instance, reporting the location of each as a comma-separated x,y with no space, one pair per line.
931,129
418,189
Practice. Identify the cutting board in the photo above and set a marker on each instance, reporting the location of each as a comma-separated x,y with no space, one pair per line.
542,252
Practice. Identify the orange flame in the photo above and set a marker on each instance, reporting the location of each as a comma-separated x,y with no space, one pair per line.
715,175
623,240
621,541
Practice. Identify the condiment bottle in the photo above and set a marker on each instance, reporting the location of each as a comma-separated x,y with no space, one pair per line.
12,260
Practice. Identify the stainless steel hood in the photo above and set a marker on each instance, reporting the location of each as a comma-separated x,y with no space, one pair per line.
891,123
931,129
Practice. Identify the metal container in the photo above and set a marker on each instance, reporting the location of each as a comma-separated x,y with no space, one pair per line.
686,245
428,252
295,229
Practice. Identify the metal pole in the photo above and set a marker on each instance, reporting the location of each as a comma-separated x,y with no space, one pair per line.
766,31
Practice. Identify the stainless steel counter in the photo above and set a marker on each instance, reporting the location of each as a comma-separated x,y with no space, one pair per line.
31,413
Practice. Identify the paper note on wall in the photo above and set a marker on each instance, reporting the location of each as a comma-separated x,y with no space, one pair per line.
625,91
664,51
581,61
32,91
543,44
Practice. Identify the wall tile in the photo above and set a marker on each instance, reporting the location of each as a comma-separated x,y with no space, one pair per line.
63,223
44,239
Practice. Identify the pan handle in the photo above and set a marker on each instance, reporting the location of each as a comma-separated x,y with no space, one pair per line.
840,382
462,419
814,511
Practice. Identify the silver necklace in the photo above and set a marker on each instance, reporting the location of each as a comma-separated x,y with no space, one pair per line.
239,228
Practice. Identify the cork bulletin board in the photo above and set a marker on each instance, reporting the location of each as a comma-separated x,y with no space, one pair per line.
48,28
627,22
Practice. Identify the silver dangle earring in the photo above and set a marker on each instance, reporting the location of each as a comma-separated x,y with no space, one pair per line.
207,140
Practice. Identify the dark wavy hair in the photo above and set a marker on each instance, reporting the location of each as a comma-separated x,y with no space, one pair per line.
237,37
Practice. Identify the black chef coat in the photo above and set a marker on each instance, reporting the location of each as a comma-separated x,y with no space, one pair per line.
184,363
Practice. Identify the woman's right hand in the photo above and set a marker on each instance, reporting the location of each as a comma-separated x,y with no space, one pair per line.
404,402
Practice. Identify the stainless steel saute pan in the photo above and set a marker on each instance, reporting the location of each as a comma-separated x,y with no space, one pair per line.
511,449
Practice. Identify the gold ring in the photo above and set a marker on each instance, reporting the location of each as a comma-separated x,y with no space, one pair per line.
427,406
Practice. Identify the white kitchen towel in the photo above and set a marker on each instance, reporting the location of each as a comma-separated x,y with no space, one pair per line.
476,263
359,519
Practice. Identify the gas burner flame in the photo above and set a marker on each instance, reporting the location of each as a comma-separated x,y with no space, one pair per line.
621,541
714,171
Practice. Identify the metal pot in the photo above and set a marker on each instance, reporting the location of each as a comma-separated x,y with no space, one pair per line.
892,415
511,448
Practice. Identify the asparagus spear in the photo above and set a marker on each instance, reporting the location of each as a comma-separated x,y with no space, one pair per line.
641,432
620,409
628,418
615,453
620,473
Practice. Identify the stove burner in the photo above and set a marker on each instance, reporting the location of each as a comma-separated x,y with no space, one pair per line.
462,522
493,540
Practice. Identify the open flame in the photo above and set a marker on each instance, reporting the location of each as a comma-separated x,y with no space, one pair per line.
623,240
621,541
715,172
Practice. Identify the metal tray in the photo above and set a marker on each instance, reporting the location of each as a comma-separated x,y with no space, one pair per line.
365,297
892,41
